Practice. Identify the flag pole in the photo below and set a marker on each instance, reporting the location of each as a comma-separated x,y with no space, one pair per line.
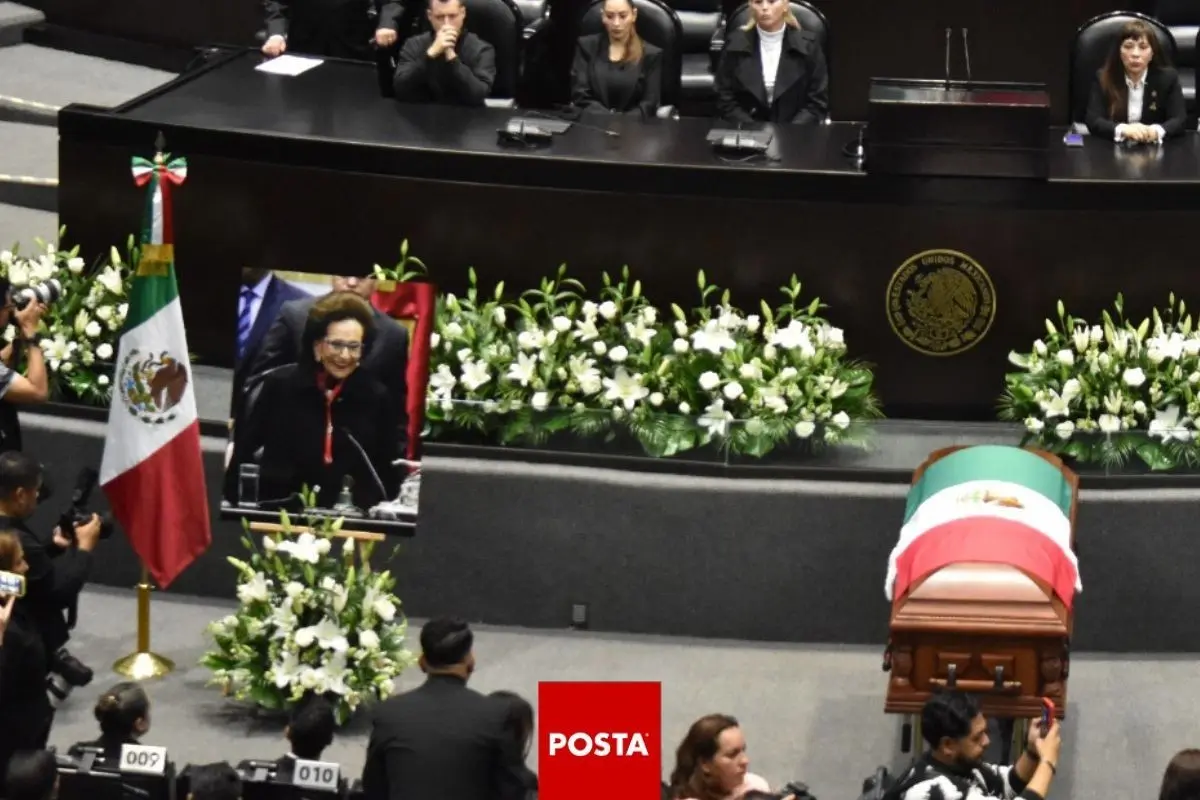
143,664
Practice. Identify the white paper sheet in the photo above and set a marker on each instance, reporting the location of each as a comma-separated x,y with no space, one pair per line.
289,65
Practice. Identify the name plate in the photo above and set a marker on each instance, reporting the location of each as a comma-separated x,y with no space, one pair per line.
321,776
143,759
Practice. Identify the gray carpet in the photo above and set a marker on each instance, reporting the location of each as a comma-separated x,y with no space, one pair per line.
812,713
58,78
21,225
30,150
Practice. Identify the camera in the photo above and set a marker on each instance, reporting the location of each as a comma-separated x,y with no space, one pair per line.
45,293
78,513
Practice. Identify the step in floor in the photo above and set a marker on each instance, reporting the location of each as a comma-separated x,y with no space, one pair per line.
21,225
28,150
56,77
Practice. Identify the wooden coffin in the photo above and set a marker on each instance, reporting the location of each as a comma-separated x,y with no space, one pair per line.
990,629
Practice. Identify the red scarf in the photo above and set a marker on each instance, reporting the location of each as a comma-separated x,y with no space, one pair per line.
330,396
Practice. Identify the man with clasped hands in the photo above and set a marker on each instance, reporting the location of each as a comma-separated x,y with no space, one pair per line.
449,65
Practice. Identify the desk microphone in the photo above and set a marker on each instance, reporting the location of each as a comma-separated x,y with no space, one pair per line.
533,112
967,56
370,467
947,59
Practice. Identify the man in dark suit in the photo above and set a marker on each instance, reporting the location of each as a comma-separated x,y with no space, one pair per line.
443,741
333,28
448,65
387,360
260,299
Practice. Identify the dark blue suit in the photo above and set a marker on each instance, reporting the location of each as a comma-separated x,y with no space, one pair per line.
278,292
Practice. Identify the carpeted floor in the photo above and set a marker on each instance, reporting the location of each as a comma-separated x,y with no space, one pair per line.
810,713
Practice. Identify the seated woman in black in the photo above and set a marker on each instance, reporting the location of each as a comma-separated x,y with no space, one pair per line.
1136,95
771,70
124,716
323,420
616,71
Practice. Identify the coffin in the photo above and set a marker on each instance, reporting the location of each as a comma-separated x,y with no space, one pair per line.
998,625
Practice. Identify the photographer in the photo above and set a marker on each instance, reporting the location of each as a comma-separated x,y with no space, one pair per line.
15,388
58,567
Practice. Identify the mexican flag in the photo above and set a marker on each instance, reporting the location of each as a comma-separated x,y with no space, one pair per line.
990,504
152,469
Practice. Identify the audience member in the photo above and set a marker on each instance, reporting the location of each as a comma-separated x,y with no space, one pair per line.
58,569
956,732
124,716
334,28
32,775
447,65
25,711
217,781
443,739
711,762
519,724
17,389
309,731
1136,94
616,71
772,71
1181,781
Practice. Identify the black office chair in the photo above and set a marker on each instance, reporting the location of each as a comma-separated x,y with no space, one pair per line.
1182,18
659,25
701,19
1094,41
808,15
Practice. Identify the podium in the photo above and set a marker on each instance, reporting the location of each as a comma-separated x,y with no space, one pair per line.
929,128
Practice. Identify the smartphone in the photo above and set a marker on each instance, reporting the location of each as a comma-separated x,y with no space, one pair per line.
1073,139
12,584
1047,715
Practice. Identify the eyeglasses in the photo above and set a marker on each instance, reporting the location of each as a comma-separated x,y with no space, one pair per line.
349,348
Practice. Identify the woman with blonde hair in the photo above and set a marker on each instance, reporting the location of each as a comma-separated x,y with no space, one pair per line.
1136,95
772,70
711,762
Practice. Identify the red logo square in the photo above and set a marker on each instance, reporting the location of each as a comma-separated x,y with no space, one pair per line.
597,737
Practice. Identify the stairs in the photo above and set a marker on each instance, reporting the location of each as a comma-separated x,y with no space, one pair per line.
35,82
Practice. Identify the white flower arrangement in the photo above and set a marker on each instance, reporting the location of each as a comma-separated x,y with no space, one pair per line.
1111,392
556,360
310,621
81,328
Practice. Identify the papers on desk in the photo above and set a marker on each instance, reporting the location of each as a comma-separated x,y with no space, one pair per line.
289,65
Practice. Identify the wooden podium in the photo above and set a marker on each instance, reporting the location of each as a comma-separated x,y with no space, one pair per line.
988,629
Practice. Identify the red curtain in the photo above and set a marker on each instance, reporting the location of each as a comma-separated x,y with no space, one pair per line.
414,304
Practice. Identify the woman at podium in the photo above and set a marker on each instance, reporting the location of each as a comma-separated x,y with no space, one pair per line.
772,71
616,71
323,421
1136,96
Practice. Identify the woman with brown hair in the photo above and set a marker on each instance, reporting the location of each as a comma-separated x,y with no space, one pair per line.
1181,781
711,762
323,420
1136,96
615,71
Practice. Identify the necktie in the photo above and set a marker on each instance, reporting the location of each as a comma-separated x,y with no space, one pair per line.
244,321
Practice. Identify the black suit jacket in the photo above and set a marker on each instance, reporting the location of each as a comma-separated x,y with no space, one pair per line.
1162,104
465,81
52,584
801,83
25,712
442,741
278,292
287,421
334,28
591,91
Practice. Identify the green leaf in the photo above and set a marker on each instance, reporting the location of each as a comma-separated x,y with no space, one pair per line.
701,283
1155,456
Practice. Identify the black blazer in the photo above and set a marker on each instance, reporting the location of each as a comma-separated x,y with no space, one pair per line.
25,711
591,91
287,421
278,293
465,81
1162,104
442,741
334,28
801,84
55,578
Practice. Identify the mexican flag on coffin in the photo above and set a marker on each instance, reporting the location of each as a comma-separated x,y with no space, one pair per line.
992,504
152,471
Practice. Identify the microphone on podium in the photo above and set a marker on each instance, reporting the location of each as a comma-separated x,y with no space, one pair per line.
967,56
383,494
533,112
947,59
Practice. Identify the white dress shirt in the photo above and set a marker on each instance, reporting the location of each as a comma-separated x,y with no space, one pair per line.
1133,111
770,46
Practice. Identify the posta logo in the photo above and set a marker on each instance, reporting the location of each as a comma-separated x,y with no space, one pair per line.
599,740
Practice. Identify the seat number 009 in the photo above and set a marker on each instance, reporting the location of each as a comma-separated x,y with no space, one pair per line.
143,758
318,775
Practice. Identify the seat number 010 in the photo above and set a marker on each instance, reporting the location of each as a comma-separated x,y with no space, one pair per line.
143,758
318,775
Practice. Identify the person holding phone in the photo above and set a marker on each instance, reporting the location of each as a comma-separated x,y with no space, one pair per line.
1136,95
449,64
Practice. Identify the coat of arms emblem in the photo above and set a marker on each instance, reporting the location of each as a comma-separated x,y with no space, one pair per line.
152,385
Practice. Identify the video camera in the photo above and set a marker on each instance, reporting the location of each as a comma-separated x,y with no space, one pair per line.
794,789
78,513
45,293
